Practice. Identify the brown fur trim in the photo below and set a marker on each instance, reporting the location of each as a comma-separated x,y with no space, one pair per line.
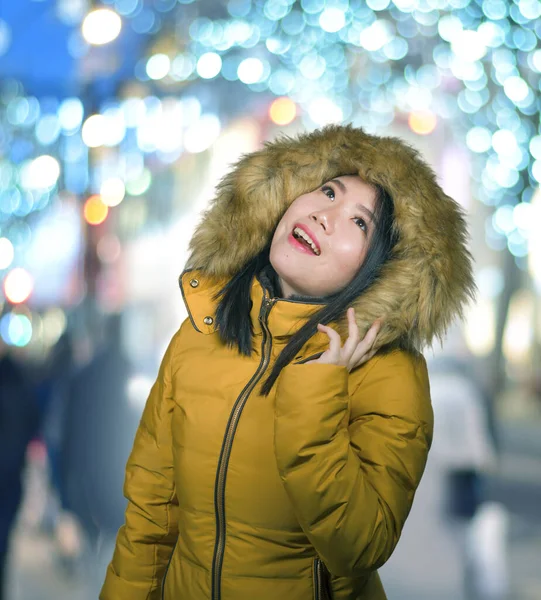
426,283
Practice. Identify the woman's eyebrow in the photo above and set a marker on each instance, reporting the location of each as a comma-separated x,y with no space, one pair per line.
359,206
340,184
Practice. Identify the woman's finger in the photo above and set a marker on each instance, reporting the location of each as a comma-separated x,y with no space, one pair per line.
360,361
335,343
354,337
367,357
364,347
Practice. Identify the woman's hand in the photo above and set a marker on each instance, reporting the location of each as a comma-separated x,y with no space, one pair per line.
355,351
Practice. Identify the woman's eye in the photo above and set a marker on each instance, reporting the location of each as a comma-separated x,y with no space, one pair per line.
362,223
328,191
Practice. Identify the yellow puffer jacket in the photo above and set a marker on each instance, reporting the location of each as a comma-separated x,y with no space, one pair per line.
322,471
301,494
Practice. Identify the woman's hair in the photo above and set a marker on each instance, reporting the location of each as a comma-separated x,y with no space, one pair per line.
233,313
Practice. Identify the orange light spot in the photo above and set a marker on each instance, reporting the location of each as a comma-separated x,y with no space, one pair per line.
422,122
282,111
95,210
18,285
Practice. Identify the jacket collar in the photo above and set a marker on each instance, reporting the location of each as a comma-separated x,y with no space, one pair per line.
285,318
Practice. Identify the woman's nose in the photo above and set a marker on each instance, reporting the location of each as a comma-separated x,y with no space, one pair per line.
322,218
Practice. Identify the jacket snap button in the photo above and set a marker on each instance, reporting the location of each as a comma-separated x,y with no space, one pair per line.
208,320
194,282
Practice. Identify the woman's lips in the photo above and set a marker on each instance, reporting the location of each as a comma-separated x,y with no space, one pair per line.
308,231
298,245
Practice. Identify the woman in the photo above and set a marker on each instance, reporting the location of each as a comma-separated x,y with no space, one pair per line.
279,453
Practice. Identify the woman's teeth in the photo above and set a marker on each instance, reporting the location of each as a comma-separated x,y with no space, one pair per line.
300,233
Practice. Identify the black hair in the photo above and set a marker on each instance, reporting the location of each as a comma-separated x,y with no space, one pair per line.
233,313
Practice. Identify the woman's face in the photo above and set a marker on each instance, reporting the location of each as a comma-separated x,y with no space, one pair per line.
338,218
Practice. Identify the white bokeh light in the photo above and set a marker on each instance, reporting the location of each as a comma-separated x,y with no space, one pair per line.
504,142
209,65
479,139
524,216
115,126
18,285
323,111
332,19
112,191
250,70
41,173
516,89
70,114
101,26
95,131
376,35
158,66
468,45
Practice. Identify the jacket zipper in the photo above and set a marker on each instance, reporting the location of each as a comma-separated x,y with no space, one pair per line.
317,579
221,473
322,585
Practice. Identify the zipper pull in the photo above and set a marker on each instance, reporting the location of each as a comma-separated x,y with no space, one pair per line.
267,305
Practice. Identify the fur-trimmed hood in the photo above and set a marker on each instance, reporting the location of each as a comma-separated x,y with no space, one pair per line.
425,284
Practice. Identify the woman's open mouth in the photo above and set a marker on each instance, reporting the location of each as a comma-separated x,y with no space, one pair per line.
301,241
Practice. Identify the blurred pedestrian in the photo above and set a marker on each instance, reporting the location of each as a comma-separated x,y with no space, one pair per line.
99,428
54,393
465,448
54,388
19,420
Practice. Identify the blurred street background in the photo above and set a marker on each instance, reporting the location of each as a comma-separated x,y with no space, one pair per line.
117,120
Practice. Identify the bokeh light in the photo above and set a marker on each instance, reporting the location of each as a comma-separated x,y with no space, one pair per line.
324,111
209,65
18,285
283,111
158,66
95,131
41,173
54,323
139,184
101,26
112,191
16,330
95,211
251,70
422,122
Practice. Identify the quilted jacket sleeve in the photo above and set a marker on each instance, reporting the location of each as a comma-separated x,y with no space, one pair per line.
352,456
144,543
